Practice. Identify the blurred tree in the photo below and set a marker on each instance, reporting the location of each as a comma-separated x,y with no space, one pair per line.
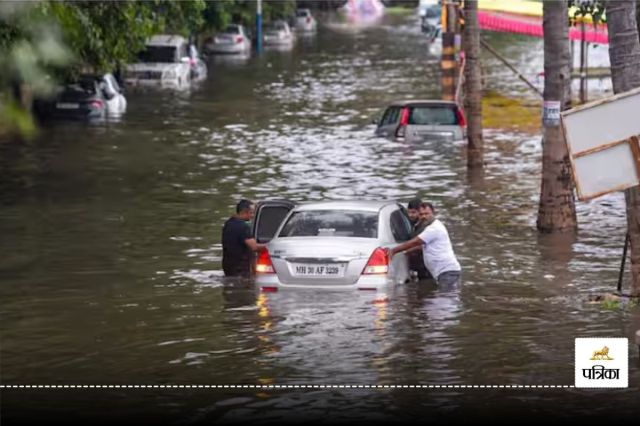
30,50
106,34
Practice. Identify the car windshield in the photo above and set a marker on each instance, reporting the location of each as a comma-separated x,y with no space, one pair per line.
331,223
158,54
84,86
434,115
232,29
302,13
434,12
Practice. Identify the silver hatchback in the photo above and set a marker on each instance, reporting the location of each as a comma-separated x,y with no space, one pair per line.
332,245
423,120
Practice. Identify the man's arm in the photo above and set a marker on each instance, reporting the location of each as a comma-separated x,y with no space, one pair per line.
254,245
414,242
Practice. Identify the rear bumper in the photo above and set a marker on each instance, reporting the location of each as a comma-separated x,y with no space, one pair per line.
226,48
365,282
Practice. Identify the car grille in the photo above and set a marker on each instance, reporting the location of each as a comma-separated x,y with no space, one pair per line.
148,75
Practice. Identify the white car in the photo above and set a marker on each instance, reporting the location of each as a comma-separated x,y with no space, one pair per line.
167,61
233,39
278,34
338,245
305,22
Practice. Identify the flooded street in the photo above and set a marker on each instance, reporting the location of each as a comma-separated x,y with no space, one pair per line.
110,270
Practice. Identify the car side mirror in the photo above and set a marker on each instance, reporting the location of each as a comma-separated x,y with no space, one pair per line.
375,121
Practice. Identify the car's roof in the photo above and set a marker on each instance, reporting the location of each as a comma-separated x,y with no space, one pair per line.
166,40
416,102
370,206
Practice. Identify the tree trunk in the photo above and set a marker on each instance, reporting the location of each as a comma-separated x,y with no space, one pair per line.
557,210
473,85
624,56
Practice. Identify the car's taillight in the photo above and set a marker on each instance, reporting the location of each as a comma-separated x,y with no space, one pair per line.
239,39
378,262
264,264
308,19
269,289
462,120
96,104
404,120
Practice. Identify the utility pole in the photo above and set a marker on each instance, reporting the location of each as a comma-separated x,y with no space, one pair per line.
259,27
448,64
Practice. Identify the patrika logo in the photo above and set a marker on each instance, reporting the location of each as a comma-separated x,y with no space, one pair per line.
598,368
602,354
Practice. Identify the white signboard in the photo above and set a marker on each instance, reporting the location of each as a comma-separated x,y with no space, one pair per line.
603,141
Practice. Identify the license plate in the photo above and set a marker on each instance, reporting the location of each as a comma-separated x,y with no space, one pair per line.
61,105
318,269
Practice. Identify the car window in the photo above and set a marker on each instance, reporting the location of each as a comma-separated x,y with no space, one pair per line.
400,226
268,220
433,12
302,13
84,86
436,114
233,29
331,223
390,116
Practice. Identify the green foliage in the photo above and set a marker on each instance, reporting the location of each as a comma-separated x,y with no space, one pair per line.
583,8
105,34
30,50
219,14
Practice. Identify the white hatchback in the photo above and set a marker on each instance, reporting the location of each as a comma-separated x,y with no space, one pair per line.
331,245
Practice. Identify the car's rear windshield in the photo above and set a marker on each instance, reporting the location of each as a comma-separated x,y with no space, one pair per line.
302,13
81,88
232,29
434,115
331,223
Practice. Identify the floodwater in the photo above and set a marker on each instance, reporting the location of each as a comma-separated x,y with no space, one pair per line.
110,269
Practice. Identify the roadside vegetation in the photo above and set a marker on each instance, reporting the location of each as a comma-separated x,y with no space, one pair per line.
44,42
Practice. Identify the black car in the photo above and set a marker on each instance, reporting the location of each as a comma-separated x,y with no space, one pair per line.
85,98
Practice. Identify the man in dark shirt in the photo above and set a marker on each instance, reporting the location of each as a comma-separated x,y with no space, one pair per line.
238,245
416,262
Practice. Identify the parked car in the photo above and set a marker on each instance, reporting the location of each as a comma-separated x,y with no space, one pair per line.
305,22
233,39
278,34
168,61
426,119
331,245
88,97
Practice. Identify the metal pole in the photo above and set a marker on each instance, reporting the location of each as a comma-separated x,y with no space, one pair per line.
511,67
259,27
583,63
624,258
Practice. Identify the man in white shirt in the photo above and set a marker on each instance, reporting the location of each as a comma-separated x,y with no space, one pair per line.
436,249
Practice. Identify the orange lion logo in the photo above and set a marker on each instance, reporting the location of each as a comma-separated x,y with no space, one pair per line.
601,354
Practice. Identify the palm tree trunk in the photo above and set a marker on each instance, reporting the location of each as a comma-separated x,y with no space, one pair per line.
473,85
624,55
557,210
